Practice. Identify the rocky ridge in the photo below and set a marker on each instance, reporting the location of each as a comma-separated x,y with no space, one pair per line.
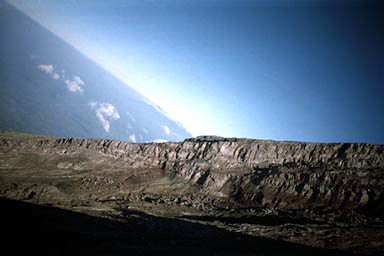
251,173
268,196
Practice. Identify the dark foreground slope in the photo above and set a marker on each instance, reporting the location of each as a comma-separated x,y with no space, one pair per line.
55,231
205,195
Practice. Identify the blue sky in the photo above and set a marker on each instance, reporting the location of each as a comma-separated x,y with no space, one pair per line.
282,70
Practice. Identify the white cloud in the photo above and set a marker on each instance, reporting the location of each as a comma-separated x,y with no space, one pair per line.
46,68
56,76
75,84
78,80
49,70
105,123
132,138
105,112
145,130
160,141
129,126
166,130
109,110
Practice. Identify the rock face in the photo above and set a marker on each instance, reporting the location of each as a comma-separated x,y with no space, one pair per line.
200,195
251,173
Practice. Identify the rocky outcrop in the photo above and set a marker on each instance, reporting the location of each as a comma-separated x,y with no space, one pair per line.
280,175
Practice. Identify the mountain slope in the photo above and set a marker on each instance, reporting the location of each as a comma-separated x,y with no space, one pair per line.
328,196
48,87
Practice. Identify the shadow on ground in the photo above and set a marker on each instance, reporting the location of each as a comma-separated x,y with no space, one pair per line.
43,230
269,220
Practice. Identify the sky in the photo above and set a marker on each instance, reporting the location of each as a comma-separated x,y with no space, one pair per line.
282,70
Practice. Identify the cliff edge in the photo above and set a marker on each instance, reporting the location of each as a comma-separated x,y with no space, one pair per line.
243,196
253,173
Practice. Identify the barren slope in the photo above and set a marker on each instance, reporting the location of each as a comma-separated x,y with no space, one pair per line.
322,195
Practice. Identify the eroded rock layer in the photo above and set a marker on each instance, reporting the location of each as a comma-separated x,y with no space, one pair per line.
253,173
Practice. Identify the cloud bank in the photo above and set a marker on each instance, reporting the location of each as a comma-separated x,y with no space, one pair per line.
105,112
